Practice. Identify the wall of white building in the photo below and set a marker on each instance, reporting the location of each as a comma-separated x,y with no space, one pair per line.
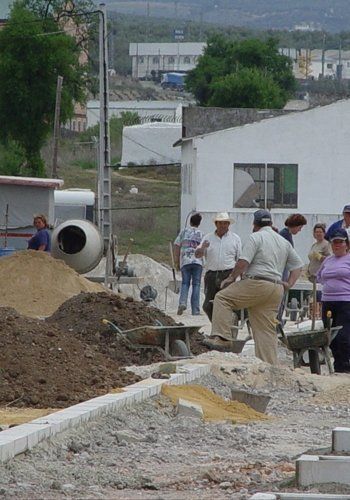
317,140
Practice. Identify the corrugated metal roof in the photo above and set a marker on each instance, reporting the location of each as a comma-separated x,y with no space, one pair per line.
135,105
167,49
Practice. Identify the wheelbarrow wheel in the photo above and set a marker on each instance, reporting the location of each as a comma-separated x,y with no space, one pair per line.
314,362
179,349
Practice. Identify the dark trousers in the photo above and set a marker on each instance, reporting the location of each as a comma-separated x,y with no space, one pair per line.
340,346
212,282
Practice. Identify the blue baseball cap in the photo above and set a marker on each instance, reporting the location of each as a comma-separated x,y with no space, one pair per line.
339,234
346,209
262,216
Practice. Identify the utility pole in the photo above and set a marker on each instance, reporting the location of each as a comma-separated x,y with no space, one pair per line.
323,53
56,129
104,172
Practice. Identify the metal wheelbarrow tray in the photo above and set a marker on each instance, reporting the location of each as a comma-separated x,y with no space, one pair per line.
312,341
172,341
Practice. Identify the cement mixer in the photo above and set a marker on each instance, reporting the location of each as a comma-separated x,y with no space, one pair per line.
78,243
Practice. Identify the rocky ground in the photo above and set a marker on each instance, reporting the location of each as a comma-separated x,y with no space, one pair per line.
149,451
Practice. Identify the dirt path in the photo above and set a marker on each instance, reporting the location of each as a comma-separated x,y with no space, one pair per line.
144,179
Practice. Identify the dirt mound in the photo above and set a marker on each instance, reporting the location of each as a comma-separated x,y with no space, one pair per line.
72,356
36,284
82,316
43,366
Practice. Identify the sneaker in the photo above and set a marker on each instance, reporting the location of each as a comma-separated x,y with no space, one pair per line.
181,309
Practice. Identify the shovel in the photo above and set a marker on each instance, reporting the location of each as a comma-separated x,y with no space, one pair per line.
173,285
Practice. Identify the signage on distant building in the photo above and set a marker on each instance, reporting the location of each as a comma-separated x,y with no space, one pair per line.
179,35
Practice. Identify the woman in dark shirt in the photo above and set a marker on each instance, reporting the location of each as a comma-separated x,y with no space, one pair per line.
293,225
41,239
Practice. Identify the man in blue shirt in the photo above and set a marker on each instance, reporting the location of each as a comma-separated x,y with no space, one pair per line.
343,223
41,239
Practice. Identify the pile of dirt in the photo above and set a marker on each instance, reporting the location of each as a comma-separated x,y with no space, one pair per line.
36,284
43,366
82,316
72,356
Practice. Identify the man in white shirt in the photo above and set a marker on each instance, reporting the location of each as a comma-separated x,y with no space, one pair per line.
221,250
261,264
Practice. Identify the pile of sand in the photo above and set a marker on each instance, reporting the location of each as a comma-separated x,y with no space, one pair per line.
36,284
214,407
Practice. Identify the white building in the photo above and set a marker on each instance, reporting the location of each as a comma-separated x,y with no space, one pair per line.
298,162
157,111
151,144
154,58
315,63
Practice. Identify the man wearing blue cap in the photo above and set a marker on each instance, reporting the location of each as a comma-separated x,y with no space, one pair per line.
343,223
261,264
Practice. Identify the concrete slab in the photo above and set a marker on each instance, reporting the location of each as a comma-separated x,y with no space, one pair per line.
298,496
341,439
310,469
187,408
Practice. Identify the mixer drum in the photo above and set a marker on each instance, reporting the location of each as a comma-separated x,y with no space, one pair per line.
78,243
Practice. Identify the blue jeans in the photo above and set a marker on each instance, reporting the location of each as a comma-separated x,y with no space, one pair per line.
191,272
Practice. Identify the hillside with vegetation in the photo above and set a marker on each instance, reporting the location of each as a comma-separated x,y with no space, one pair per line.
328,15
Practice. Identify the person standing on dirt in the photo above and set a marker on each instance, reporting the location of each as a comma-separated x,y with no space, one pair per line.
42,238
221,250
264,257
191,266
334,274
344,223
293,225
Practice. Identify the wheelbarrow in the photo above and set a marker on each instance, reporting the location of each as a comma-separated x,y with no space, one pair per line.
315,342
173,342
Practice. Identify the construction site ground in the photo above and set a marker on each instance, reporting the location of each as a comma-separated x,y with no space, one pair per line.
149,450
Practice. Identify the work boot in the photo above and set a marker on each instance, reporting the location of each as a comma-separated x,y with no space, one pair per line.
218,343
181,309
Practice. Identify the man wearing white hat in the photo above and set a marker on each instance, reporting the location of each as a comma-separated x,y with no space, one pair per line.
264,257
221,250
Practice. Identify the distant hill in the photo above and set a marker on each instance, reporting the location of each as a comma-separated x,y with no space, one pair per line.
328,15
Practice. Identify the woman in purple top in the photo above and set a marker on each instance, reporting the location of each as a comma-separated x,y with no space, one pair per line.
334,274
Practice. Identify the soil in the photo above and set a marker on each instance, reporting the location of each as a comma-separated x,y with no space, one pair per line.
72,356
43,366
36,284
82,315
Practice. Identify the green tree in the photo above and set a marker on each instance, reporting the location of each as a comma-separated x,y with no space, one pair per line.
249,86
227,64
33,52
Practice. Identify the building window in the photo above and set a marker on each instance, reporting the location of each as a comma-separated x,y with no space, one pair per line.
171,60
329,66
186,178
155,60
187,60
348,64
260,185
141,59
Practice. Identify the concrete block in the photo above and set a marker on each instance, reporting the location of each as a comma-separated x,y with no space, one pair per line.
257,401
298,496
263,496
341,439
312,469
7,448
189,409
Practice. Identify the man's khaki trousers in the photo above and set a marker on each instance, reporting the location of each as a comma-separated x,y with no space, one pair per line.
262,299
